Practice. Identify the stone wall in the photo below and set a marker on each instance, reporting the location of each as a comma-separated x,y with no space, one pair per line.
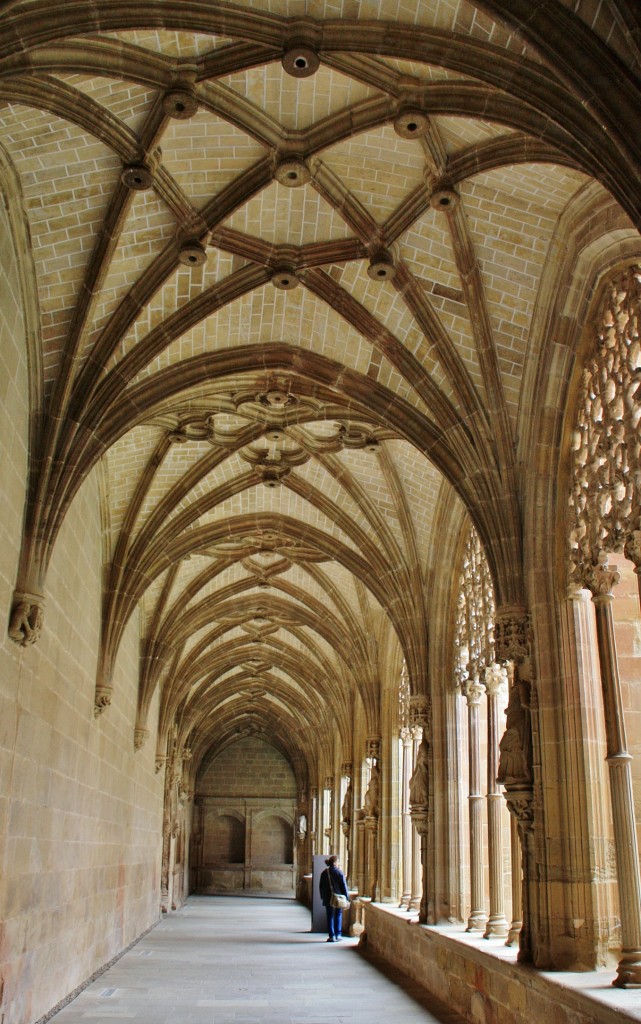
245,819
80,811
480,986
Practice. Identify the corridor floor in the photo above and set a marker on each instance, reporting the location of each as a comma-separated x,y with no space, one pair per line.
235,960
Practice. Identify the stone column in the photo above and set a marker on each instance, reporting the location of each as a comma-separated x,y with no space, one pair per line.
419,796
515,861
495,686
313,833
512,641
406,818
347,772
371,808
361,852
472,691
600,579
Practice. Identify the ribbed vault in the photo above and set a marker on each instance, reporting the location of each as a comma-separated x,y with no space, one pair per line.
288,287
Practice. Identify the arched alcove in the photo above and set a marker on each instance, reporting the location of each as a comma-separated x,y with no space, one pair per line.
245,803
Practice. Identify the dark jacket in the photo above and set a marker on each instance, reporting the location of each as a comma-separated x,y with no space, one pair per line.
337,881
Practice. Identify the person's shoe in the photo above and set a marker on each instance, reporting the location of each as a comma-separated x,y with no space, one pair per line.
338,938
331,938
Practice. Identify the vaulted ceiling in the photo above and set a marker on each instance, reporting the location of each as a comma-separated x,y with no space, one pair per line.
283,264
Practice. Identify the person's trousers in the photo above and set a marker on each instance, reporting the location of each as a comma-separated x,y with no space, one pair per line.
334,922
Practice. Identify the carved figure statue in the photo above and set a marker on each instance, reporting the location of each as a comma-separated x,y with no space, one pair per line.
515,748
420,780
371,801
346,810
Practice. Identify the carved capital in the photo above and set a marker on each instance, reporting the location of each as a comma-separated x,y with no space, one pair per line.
102,698
347,769
600,579
160,764
27,614
495,680
329,782
373,747
421,711
472,691
187,754
520,803
512,635
420,818
140,738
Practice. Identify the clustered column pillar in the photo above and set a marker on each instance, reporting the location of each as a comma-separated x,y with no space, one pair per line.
600,579
495,684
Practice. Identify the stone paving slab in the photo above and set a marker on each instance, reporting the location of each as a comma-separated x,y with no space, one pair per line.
239,960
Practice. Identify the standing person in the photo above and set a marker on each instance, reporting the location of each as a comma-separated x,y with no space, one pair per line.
332,880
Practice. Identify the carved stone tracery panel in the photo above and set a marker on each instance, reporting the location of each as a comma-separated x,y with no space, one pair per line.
605,504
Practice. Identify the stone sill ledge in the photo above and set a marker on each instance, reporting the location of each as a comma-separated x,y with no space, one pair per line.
481,979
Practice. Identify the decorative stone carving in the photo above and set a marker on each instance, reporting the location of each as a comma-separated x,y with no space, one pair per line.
140,738
420,712
600,579
512,635
346,810
347,769
420,779
515,748
102,698
25,625
373,747
605,498
372,795
474,630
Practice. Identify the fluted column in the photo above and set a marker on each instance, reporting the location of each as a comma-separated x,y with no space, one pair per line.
406,818
600,580
495,686
473,691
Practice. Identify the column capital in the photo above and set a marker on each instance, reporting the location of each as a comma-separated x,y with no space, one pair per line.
472,691
495,679
329,782
512,634
347,769
373,747
600,578
421,711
